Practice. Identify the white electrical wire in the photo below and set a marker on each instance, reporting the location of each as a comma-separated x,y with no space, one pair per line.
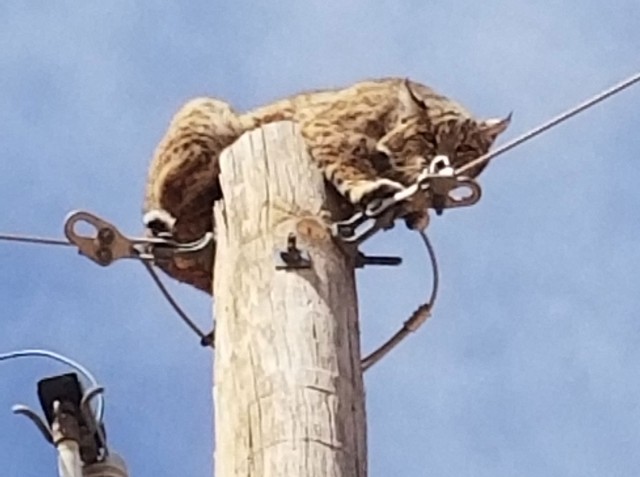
41,353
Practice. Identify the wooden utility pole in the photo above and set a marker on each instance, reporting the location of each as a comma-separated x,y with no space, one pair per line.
288,390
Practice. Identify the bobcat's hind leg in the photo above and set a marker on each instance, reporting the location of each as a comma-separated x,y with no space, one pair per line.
183,176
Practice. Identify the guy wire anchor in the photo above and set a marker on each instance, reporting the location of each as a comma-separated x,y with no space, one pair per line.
109,245
441,182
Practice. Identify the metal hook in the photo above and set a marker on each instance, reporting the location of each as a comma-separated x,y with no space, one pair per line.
109,244
444,189
106,246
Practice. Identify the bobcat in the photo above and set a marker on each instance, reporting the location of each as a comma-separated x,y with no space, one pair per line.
370,140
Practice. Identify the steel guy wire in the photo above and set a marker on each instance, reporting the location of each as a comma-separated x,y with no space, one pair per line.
205,339
551,123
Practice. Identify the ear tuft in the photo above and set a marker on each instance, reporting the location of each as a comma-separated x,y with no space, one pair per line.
410,102
495,126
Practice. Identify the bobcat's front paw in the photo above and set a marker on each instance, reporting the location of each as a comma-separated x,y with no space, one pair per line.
159,222
363,192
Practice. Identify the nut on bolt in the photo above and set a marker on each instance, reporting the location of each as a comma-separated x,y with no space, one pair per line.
104,255
106,235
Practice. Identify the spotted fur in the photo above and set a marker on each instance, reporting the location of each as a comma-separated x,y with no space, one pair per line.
370,140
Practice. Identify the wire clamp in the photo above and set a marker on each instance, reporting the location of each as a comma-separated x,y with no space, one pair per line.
363,260
292,258
439,181
109,244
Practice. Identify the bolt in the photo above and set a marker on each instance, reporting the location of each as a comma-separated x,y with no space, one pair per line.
106,235
104,255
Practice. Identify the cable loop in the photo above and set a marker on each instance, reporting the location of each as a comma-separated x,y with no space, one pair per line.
205,339
417,318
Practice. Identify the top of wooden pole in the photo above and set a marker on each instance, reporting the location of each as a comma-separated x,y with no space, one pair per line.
289,397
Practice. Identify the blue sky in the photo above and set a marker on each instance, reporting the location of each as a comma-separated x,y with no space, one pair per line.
530,364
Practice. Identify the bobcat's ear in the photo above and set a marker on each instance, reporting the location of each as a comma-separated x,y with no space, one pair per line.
492,128
410,103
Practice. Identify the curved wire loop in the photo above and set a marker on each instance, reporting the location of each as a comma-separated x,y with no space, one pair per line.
418,317
43,353
205,339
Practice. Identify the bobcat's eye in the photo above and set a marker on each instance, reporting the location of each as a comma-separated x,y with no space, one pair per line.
465,149
428,137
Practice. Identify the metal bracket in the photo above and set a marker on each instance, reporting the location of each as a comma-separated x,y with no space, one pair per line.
441,182
443,190
292,258
106,246
109,245
208,339
363,260
438,181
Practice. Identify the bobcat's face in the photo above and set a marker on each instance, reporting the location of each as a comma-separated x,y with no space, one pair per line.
417,140
430,127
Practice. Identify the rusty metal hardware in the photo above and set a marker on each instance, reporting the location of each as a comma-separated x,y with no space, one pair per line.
109,244
438,180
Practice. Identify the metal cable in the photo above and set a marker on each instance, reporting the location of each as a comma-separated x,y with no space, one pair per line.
417,318
42,353
33,239
551,123
205,339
